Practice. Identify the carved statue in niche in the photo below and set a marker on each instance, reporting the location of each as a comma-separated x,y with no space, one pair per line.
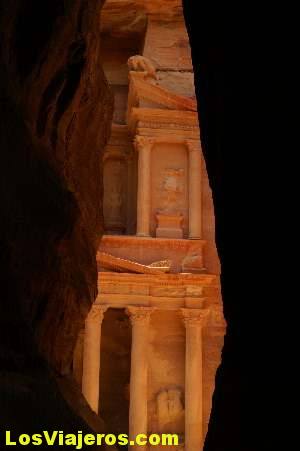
168,412
113,195
140,63
172,188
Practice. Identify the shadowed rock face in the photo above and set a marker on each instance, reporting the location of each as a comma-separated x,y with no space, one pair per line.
229,86
56,111
55,116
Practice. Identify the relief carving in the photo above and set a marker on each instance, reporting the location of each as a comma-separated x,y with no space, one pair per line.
169,216
172,188
168,411
140,63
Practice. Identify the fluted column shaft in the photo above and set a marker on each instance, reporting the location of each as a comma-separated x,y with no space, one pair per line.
194,320
143,145
195,190
91,356
138,417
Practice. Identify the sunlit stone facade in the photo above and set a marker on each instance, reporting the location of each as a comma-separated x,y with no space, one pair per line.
147,358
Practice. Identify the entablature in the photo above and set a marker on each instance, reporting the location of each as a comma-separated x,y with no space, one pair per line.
165,120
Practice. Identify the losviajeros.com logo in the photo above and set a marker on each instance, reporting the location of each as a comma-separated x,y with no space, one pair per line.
80,439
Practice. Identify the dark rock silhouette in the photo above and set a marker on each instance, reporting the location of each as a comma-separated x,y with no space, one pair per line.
56,110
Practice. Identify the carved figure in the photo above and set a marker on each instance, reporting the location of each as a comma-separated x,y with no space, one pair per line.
140,63
170,410
172,186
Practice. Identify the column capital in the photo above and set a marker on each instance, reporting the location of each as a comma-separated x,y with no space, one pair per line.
142,142
194,317
139,315
96,314
193,145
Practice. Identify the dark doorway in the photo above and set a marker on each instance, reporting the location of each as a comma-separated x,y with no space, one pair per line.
115,371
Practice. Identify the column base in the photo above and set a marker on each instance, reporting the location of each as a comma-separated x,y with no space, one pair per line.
143,235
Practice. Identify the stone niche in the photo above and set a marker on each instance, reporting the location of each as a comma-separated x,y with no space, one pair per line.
166,388
119,184
115,194
169,186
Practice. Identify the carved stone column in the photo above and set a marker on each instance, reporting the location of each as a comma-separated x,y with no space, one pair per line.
144,145
195,190
138,417
130,195
194,320
91,355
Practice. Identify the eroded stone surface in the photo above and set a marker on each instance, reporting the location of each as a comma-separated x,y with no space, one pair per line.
56,111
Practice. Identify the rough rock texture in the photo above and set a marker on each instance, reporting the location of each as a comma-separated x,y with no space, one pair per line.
130,15
56,113
55,118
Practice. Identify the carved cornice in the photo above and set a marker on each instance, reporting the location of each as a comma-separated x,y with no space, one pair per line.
114,241
162,118
139,315
194,317
120,264
144,91
167,127
96,314
163,280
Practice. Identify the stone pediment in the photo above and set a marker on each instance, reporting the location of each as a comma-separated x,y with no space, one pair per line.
144,92
118,264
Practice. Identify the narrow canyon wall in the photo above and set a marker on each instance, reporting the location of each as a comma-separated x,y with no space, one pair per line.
56,109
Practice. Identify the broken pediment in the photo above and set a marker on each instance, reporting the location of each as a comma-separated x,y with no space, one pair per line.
144,91
112,263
